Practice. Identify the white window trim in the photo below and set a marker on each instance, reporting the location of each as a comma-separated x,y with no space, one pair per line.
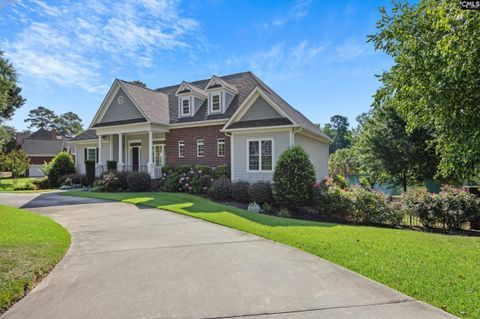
95,157
130,152
201,141
224,147
220,102
181,143
180,111
259,140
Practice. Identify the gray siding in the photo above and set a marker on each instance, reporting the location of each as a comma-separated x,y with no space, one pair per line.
228,99
281,141
260,110
80,154
120,112
196,105
318,153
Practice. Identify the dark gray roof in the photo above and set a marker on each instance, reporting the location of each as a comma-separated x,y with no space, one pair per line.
130,121
244,82
260,123
43,147
86,135
161,105
151,103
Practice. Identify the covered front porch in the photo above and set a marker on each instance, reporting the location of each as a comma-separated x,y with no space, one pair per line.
135,148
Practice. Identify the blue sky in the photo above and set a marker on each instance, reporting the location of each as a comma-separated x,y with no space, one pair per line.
313,53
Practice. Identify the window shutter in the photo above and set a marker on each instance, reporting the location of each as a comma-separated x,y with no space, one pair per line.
96,155
85,154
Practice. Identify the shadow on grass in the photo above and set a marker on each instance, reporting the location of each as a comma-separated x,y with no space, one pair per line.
196,206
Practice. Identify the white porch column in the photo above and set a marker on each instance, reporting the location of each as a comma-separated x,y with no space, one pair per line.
120,152
111,147
99,150
151,165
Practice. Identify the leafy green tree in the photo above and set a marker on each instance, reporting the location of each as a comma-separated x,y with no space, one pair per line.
10,98
338,130
68,124
343,162
407,157
293,179
139,83
435,79
8,140
16,162
41,117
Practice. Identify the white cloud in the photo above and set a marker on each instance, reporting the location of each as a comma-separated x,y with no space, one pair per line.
280,62
71,43
296,12
349,50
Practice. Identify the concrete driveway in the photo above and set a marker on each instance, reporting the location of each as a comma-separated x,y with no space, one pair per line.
128,261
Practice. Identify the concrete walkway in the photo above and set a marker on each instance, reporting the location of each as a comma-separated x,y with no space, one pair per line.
128,261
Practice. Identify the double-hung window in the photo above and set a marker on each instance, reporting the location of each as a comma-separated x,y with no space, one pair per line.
200,148
216,106
221,147
181,148
185,106
260,155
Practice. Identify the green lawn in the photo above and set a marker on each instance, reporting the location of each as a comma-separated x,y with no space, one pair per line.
438,269
30,245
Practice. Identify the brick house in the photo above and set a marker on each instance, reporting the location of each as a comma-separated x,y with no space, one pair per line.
235,120
41,147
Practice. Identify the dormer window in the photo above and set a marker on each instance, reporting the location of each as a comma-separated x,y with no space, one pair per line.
185,107
216,106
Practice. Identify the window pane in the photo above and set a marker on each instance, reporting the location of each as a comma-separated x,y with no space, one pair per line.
216,102
221,147
267,155
181,149
200,148
185,106
91,154
253,155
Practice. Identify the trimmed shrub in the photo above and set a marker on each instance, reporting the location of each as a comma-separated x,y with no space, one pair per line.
109,182
240,191
203,169
122,180
28,186
42,183
427,207
331,201
371,207
62,164
261,192
138,181
183,169
340,181
221,188
167,169
171,182
111,165
90,172
221,170
458,207
293,179
200,182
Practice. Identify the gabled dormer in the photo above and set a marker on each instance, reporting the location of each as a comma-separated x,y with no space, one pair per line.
190,98
220,95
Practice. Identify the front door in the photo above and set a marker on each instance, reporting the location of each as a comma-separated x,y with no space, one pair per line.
135,158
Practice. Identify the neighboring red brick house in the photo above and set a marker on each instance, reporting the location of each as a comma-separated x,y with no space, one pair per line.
235,120
41,147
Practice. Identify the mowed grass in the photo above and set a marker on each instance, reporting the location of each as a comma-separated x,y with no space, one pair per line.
30,245
438,269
